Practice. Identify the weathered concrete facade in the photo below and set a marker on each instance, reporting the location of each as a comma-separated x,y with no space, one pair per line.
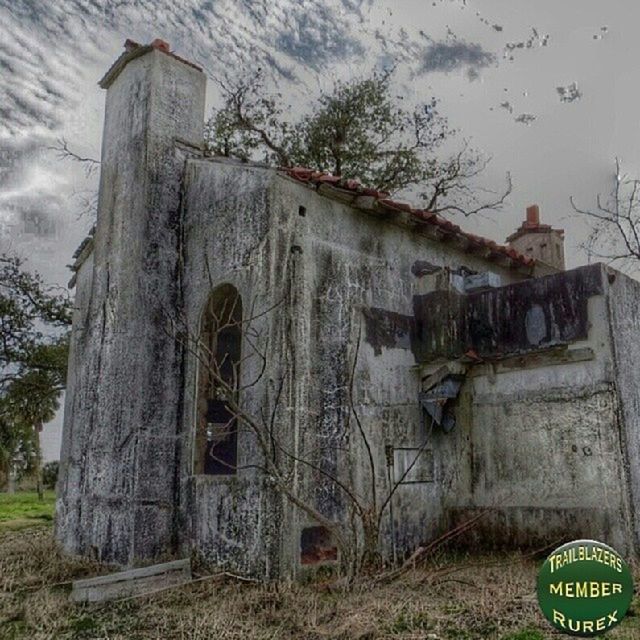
153,112
369,314
541,431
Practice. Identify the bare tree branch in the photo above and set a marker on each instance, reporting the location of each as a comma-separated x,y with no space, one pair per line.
614,233
65,153
359,536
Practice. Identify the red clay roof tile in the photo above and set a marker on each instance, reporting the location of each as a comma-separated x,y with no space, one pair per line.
317,178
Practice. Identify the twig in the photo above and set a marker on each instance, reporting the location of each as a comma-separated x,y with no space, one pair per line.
422,552
474,565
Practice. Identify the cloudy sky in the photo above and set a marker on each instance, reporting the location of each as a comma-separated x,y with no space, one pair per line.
547,88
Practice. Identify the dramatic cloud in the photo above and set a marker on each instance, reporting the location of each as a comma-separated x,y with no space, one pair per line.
36,83
31,200
46,47
52,53
452,55
310,38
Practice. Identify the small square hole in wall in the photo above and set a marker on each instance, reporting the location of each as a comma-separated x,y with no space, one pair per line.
317,545
302,211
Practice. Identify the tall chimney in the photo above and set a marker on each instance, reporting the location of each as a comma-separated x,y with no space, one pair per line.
539,241
121,416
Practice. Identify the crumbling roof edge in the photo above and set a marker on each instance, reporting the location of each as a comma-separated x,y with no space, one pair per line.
434,226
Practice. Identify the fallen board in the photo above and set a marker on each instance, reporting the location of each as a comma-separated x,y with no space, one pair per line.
133,582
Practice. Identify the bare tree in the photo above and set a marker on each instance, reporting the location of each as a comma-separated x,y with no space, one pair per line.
285,461
452,189
615,222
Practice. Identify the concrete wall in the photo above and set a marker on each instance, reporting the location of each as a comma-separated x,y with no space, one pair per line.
546,442
539,441
234,233
546,246
624,303
352,262
318,272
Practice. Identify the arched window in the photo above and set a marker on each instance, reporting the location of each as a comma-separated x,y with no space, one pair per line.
218,382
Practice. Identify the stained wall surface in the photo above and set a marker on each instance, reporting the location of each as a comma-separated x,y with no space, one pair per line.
541,432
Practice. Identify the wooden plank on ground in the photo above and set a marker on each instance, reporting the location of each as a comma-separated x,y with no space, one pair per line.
132,582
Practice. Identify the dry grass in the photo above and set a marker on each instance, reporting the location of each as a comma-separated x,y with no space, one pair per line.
494,600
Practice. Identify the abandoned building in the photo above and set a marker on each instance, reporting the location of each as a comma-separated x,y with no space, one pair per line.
382,348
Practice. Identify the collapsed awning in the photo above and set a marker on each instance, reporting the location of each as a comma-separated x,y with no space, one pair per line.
436,402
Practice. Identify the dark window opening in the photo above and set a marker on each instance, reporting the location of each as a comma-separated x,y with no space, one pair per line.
317,545
302,211
220,342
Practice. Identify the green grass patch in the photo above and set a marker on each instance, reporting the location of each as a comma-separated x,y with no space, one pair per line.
24,509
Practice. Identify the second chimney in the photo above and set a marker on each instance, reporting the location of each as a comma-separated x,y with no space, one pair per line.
539,241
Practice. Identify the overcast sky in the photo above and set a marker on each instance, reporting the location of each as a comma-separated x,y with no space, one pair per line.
496,67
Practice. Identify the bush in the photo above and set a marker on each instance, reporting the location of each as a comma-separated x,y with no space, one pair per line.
50,474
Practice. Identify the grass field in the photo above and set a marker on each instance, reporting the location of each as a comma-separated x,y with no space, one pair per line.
23,509
462,598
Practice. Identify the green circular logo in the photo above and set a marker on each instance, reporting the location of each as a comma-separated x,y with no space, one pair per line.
585,588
